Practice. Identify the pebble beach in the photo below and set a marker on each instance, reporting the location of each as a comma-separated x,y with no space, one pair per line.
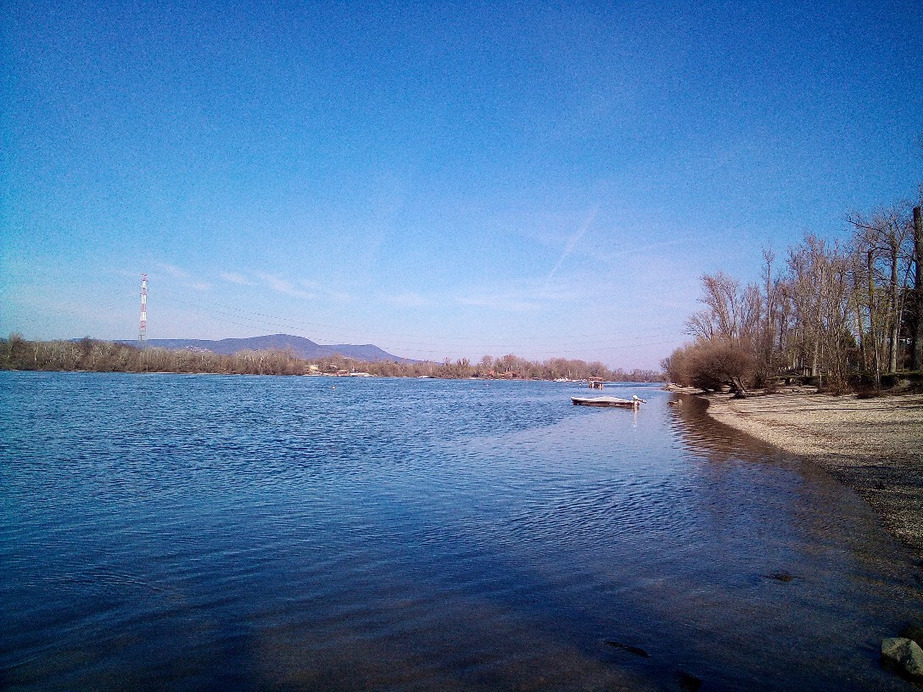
874,446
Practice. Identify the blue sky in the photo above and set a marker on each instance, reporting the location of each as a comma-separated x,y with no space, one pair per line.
440,179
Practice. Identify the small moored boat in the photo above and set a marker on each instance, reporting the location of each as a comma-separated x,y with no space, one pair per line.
613,401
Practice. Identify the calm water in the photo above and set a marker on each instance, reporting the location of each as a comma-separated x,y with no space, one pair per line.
196,532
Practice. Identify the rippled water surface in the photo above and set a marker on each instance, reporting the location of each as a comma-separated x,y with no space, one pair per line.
195,532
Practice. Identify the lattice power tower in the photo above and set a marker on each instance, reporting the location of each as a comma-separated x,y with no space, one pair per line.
142,324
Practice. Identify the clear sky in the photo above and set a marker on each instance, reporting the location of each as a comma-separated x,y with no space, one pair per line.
439,179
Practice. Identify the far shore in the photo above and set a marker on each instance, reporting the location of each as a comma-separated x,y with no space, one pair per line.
874,446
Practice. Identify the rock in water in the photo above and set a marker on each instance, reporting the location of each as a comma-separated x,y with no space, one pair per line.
688,681
905,655
636,650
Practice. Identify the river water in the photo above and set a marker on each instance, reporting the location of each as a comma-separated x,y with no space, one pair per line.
229,532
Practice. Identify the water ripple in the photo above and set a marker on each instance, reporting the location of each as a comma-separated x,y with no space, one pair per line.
248,532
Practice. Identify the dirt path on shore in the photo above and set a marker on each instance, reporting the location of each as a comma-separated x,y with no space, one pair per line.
875,446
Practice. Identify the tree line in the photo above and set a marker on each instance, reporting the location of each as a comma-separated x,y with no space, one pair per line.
844,313
92,355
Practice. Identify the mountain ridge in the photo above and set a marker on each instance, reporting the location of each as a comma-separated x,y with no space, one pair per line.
298,346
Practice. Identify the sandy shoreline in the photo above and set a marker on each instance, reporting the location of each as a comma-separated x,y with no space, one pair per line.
874,446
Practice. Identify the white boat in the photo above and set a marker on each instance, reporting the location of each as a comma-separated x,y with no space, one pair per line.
611,401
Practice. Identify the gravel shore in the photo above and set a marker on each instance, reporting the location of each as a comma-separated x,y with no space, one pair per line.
874,446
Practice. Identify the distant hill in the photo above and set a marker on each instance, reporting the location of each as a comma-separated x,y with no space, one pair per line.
296,345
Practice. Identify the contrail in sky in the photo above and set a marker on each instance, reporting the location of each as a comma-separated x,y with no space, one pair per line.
572,243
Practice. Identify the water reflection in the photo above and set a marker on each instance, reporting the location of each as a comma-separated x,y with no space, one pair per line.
702,435
812,529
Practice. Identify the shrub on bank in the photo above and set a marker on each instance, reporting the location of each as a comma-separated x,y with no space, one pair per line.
710,365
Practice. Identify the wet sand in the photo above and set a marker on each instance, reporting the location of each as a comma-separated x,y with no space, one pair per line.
874,446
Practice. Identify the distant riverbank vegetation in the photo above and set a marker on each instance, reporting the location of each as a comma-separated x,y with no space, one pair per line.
843,315
91,355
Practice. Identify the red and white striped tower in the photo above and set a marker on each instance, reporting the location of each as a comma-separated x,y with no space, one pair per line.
142,325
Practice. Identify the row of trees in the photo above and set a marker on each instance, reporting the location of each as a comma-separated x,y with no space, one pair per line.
834,311
17,353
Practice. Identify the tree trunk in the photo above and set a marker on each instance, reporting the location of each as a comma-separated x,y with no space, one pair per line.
893,310
876,352
917,360
737,386
860,327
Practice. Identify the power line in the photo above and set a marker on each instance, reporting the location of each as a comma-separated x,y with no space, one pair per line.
254,319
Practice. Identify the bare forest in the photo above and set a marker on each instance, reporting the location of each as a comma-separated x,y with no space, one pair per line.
842,314
93,355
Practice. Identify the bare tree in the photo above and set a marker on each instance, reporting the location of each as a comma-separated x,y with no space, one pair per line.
730,313
819,280
917,358
886,241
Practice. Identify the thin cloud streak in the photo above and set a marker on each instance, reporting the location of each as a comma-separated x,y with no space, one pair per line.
284,286
407,300
644,248
572,242
499,303
173,270
234,278
305,289
185,278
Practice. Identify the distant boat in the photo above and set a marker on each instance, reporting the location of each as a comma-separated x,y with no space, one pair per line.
611,401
